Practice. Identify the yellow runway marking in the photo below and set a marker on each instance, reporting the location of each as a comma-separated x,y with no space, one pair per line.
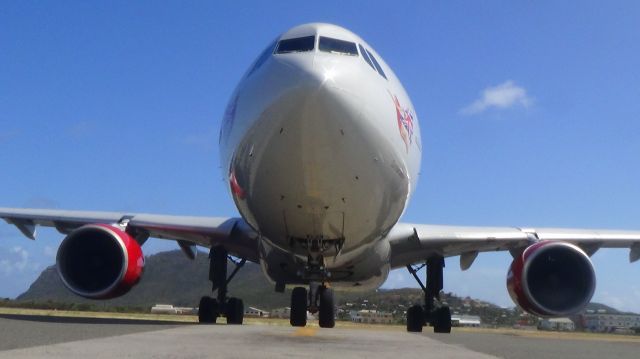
305,332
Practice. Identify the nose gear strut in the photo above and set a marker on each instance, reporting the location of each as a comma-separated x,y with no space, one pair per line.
319,299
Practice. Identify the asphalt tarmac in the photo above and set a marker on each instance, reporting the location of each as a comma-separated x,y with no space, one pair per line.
26,336
25,331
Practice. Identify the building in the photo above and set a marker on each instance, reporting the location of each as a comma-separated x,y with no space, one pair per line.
556,324
601,321
371,317
458,320
285,313
280,313
170,309
255,313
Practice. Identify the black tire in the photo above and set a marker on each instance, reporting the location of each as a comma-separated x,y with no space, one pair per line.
208,310
415,319
235,311
298,316
442,322
326,315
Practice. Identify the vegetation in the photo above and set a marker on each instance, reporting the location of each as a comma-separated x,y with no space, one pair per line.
80,307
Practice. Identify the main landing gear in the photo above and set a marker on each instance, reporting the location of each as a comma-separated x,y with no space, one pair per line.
319,299
211,308
433,311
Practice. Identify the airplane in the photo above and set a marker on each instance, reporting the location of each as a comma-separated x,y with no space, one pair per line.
321,150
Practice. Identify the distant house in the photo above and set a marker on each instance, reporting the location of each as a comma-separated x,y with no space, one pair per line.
556,324
601,321
280,313
465,320
163,309
286,313
371,317
170,309
255,313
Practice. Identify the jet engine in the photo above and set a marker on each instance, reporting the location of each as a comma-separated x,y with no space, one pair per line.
551,279
99,261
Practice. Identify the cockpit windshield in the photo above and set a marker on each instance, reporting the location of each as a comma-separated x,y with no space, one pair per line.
298,44
335,46
376,64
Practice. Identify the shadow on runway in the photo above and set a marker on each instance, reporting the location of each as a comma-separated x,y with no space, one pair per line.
86,320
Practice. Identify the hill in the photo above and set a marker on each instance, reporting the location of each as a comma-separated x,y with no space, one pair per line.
169,277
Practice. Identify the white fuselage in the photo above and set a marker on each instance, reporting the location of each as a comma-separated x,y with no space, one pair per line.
319,146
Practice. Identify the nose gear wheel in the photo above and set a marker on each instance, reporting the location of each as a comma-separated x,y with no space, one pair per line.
319,299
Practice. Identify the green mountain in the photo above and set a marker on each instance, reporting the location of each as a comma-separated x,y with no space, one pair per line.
168,278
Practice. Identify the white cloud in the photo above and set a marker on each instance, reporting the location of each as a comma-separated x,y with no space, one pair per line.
502,96
17,262
23,257
5,267
49,251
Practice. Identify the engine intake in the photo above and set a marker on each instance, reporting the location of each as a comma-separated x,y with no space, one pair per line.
99,261
551,279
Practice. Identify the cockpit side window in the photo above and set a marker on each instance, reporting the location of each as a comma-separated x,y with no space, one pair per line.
264,56
366,58
298,44
335,46
376,64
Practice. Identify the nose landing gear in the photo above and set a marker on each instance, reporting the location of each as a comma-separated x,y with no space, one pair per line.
319,299
433,311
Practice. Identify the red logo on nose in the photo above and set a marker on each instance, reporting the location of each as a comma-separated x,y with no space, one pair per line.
235,187
405,122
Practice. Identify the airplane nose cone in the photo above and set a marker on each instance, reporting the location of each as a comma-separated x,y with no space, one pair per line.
313,164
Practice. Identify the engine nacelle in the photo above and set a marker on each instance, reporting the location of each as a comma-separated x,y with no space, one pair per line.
99,261
551,279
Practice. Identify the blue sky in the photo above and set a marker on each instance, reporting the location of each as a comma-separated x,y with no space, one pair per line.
529,114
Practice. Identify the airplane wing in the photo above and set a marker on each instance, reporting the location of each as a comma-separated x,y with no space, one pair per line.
239,239
412,243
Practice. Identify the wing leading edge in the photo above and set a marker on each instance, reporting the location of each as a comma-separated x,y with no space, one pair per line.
239,239
411,243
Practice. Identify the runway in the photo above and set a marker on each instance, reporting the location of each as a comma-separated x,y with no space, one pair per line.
54,337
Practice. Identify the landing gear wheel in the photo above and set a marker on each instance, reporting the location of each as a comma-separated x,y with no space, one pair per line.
208,310
298,316
434,311
415,319
326,318
211,308
235,311
442,320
